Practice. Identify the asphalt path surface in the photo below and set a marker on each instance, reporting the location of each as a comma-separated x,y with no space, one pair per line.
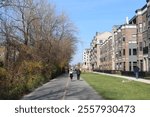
62,88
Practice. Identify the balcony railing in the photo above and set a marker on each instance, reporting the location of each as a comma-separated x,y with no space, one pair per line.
145,50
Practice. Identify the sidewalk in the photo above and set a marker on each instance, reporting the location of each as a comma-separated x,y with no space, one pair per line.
62,88
126,77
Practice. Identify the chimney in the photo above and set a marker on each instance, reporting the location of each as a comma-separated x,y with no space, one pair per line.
127,20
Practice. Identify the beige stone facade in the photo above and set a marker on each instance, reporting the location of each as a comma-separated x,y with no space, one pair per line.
106,53
86,60
96,43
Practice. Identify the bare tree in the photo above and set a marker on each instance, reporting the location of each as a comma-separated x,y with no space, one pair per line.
35,37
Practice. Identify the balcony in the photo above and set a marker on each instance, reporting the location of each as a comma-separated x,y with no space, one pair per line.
145,50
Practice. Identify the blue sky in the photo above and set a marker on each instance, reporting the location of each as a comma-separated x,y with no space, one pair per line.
91,16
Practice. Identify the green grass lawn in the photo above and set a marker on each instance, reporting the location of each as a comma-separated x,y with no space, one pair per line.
117,88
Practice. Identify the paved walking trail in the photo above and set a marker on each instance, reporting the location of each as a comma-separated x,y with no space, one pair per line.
62,88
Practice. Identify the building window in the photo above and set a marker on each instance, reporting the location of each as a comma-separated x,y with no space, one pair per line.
119,53
148,13
100,41
123,38
141,65
123,51
120,66
134,64
130,68
134,51
148,22
124,66
129,52
133,35
144,26
140,46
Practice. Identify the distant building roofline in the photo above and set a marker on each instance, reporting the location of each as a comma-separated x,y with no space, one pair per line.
141,9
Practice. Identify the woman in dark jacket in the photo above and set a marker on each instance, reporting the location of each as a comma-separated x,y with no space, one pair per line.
78,73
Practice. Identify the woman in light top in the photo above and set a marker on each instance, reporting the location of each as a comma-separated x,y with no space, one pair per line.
71,73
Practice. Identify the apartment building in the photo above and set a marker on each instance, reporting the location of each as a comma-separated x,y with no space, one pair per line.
96,43
141,31
148,39
93,54
114,29
125,47
106,52
142,20
86,59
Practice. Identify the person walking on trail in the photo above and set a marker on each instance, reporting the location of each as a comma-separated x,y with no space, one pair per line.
78,74
71,74
136,72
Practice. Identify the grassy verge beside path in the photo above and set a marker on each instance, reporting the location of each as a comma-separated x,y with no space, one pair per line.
117,88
